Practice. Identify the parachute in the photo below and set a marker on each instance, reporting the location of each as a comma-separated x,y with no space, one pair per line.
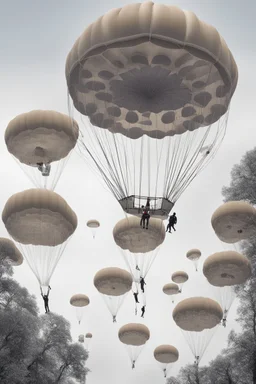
79,301
171,289
134,336
198,318
41,141
41,222
194,255
81,338
234,221
150,89
166,355
224,270
180,277
9,251
113,284
93,225
88,338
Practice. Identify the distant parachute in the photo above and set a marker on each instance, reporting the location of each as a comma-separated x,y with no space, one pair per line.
81,338
79,301
41,222
9,251
180,277
198,317
171,290
150,88
88,338
93,225
41,142
194,255
166,355
134,336
113,284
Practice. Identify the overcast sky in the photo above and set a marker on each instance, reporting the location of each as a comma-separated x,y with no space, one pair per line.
35,38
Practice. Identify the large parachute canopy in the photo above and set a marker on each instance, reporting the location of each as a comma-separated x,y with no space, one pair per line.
41,222
198,318
79,301
9,251
194,255
150,88
42,139
93,225
113,283
171,290
166,355
234,221
134,336
180,277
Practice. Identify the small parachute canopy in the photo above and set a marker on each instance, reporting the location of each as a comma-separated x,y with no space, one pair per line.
227,268
193,254
234,221
88,335
128,234
166,354
9,250
179,277
79,300
197,313
39,217
134,334
93,224
81,338
113,281
171,289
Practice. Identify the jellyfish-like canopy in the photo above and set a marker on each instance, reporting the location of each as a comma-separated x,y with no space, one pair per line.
93,224
197,313
227,268
79,300
9,250
166,354
171,289
179,277
39,217
193,254
41,136
128,234
88,335
113,281
134,334
234,221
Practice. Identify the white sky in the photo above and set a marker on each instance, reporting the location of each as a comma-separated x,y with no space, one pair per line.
35,38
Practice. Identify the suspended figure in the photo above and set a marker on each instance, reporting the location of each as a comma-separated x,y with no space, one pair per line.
171,223
46,299
145,217
152,92
41,142
42,223
143,310
166,355
142,284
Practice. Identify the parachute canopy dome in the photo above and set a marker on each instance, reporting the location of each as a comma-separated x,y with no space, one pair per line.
39,217
179,277
234,221
197,313
134,334
113,281
9,250
193,254
166,354
88,335
150,58
128,234
93,224
79,300
170,289
227,268
41,136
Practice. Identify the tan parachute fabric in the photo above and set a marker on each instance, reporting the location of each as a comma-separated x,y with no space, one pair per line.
39,217
171,289
79,300
134,334
9,251
88,335
227,268
180,277
234,221
166,354
42,137
194,255
93,225
128,234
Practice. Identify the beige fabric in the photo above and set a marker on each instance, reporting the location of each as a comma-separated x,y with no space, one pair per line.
227,268
134,334
171,289
193,254
79,300
39,217
93,224
41,136
166,354
113,281
149,59
9,250
197,313
179,277
88,335
128,234
234,221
